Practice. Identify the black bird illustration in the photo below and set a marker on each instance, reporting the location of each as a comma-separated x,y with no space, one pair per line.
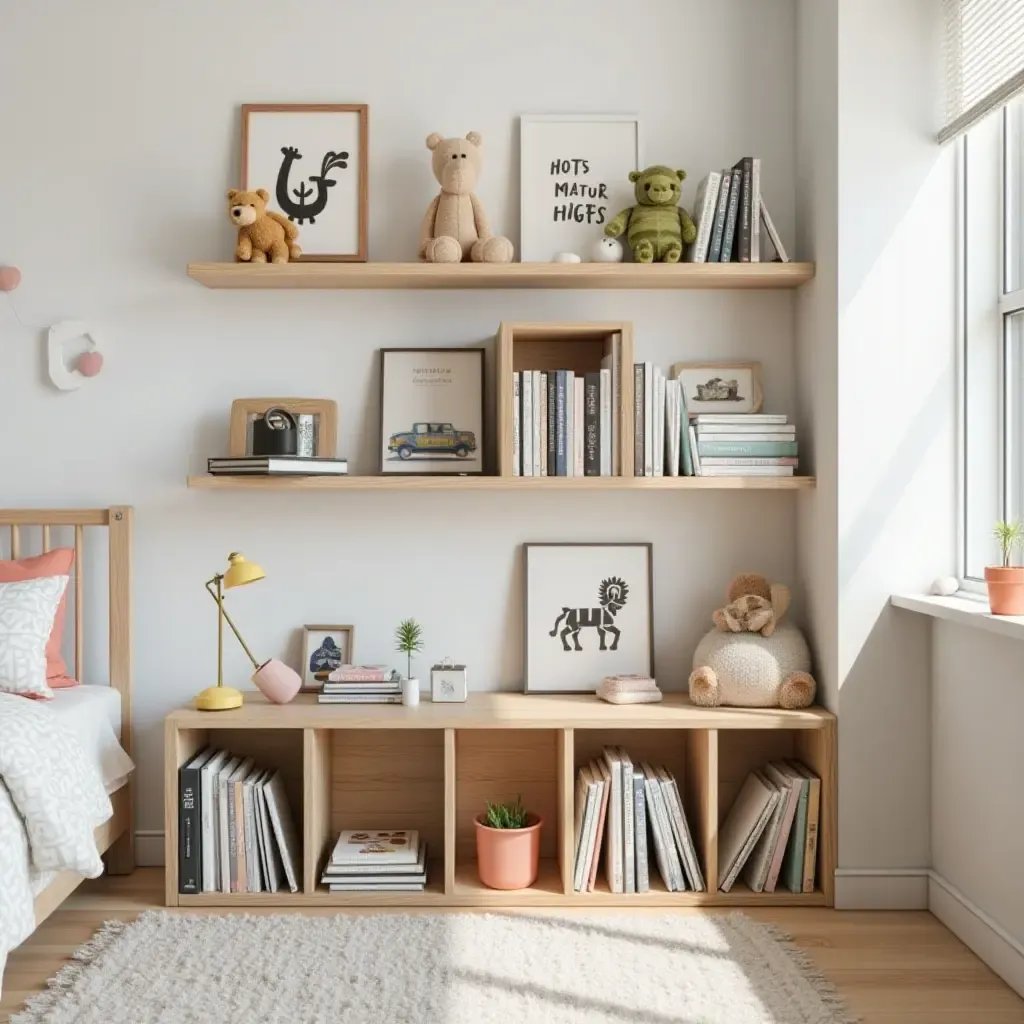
302,210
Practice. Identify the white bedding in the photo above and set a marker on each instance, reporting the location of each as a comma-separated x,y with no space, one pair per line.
93,714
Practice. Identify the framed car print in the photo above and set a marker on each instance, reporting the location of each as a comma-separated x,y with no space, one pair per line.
432,410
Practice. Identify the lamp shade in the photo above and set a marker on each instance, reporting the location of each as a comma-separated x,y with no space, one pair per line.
241,571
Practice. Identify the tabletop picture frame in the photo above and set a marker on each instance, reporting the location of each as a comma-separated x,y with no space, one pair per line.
325,648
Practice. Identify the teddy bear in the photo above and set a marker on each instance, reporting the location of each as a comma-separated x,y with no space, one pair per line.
751,658
455,227
658,227
262,234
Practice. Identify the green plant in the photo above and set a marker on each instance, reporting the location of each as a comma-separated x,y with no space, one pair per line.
506,815
409,640
1010,535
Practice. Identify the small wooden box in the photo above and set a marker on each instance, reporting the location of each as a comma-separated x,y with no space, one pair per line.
577,347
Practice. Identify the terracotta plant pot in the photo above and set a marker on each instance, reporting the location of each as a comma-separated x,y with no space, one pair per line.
1005,590
508,858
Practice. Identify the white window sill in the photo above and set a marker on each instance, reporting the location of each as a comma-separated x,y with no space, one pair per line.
964,609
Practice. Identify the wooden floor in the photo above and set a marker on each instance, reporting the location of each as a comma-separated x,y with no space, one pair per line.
892,968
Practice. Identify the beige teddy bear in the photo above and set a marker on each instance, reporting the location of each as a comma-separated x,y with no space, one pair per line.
455,227
262,234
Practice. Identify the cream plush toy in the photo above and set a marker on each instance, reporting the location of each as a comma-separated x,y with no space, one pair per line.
751,659
455,227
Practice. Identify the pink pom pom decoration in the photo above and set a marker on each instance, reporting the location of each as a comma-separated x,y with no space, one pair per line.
10,278
89,364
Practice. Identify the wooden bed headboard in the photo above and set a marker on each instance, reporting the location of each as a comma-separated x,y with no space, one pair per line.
118,521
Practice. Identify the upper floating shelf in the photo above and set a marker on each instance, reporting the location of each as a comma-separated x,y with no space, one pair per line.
502,275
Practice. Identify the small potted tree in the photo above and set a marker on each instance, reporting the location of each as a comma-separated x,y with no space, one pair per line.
1006,582
508,846
409,641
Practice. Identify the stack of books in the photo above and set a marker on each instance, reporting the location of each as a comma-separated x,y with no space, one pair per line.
564,423
771,832
362,684
371,860
743,444
235,827
729,212
632,807
276,465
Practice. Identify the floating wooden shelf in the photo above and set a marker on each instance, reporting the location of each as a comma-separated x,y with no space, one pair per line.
206,482
432,767
502,275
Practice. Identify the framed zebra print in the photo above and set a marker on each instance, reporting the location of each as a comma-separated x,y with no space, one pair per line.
589,614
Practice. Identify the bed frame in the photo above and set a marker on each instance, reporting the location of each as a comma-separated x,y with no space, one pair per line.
116,837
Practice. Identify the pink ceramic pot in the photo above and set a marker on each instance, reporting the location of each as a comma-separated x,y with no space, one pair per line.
276,681
508,858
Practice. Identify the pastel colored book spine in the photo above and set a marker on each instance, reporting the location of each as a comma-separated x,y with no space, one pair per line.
527,427
600,773
734,461
703,418
613,843
578,421
753,449
811,844
517,450
792,873
628,822
749,436
747,471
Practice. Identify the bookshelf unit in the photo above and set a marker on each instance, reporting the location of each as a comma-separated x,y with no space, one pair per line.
432,767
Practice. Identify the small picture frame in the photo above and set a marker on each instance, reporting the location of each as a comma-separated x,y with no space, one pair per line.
589,614
323,411
720,387
432,411
324,648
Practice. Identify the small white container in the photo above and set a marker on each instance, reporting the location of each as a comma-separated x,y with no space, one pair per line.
448,682
410,692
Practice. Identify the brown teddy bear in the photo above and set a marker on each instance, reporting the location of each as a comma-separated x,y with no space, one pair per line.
755,606
455,227
262,234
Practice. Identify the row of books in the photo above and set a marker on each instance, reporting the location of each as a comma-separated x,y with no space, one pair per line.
276,465
743,444
771,832
373,860
632,808
235,828
361,684
728,212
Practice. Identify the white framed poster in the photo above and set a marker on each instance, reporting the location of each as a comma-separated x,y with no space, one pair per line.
720,387
432,410
312,159
589,614
574,178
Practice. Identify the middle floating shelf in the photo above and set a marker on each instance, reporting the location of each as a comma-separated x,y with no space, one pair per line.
206,482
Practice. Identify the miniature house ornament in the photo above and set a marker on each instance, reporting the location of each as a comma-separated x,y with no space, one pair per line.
448,682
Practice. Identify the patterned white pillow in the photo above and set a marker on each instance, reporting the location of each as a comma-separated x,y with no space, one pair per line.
27,610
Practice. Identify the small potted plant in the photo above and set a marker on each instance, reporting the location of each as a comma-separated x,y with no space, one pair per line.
508,846
409,641
1006,582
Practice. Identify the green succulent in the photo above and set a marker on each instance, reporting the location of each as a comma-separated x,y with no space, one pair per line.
506,815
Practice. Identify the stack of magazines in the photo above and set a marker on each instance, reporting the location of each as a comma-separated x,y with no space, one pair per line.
362,684
370,860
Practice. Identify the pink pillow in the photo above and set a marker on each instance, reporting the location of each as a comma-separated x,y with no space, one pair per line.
54,563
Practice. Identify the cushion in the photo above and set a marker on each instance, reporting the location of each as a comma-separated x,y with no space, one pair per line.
54,563
27,611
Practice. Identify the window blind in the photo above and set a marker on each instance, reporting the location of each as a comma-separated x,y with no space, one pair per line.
984,56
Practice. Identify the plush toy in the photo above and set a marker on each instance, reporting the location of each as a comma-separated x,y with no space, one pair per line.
658,227
455,227
262,234
752,659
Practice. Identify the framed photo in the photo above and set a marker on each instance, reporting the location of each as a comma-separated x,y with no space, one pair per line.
432,410
312,159
720,387
322,414
324,648
589,614
574,178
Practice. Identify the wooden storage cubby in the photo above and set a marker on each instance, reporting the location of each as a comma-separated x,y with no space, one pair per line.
433,767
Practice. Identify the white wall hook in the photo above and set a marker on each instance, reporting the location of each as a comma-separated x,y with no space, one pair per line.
88,363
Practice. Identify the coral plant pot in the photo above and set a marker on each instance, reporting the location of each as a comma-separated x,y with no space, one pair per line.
508,858
1005,590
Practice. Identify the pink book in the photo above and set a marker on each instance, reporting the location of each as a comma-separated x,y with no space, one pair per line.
599,772
358,674
781,779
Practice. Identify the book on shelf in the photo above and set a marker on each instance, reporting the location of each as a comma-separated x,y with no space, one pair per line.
810,839
745,167
749,462
731,217
721,214
374,876
394,697
773,235
762,449
541,438
681,830
744,825
190,845
356,846
360,674
776,771
739,418
389,686
208,816
517,450
276,465
705,206
600,772
669,864
283,828
643,882
614,868
628,823
588,795
728,432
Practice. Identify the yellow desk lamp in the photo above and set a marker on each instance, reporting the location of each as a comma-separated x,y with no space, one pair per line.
277,681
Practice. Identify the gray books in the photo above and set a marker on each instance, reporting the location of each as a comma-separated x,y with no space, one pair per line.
671,872
283,828
755,871
613,831
209,817
640,827
224,850
743,826
628,837
681,831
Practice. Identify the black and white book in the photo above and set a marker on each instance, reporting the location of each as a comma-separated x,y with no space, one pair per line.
585,817
732,218
274,863
614,823
705,206
639,441
190,841
755,209
276,465
721,212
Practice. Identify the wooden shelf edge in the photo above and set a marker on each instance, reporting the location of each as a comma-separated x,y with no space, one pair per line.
502,275
205,482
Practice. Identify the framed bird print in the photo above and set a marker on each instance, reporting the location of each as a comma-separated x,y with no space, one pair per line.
589,614
312,159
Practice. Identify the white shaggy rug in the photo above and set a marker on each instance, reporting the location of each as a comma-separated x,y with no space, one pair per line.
438,969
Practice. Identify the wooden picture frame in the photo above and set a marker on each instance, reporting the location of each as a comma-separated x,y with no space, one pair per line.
750,405
310,682
443,452
239,444
283,195
579,675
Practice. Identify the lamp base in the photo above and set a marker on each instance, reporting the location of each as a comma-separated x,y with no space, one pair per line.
218,698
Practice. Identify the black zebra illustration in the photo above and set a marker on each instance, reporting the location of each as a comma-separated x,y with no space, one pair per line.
611,596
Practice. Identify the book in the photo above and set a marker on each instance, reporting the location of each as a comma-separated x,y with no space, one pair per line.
746,471
672,872
376,870
376,846
605,424
592,424
657,835
377,886
542,415
600,773
776,771
721,212
527,423
283,827
740,417
221,796
613,833
681,830
648,419
538,408
755,209
643,883
638,419
253,870
578,420
359,674
769,227
517,449
787,434
748,462
672,428
359,698
705,206
628,823
732,217
748,448
570,423
792,873
208,808
813,812
190,857
261,839
746,820
694,452
585,816
236,824
742,247
550,425
755,871
276,465
613,362
362,688
686,466
275,868
659,422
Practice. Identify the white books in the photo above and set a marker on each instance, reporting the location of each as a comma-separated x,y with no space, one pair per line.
643,882
587,796
789,434
283,827
527,429
746,470
613,363
704,207
746,820
517,398
275,868
253,872
221,789
376,846
658,422
740,460
773,235
657,836
261,838
375,870
209,821
755,206
780,773
538,412
613,823
570,423
648,419
694,452
776,430
673,425
740,417
578,412
542,416
671,870
607,441
681,830
236,824
628,817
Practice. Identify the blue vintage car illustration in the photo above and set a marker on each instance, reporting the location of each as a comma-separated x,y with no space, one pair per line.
433,439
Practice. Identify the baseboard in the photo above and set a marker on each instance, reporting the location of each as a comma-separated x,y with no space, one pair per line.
881,889
149,848
976,930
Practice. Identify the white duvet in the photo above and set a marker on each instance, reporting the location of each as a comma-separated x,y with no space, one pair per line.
51,801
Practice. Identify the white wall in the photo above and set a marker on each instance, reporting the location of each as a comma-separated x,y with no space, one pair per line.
116,157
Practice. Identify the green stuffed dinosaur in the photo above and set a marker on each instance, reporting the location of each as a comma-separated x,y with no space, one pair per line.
658,226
